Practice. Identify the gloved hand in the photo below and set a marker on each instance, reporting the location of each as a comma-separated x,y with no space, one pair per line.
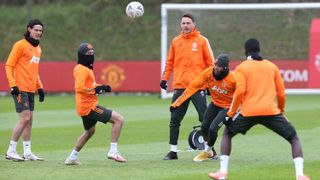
173,108
107,88
208,92
227,120
15,90
102,89
163,84
41,95
99,89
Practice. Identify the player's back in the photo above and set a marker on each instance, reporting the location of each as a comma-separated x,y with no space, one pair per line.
260,87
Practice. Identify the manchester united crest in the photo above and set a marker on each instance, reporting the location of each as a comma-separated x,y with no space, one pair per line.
113,75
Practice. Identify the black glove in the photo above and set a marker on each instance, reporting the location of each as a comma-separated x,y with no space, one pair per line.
99,89
15,90
41,95
163,84
173,108
227,120
208,92
107,88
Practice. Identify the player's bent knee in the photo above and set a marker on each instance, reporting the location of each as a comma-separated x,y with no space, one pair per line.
213,130
91,131
228,133
25,120
25,116
121,120
117,118
293,138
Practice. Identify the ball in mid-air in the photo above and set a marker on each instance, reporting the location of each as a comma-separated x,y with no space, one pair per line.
134,9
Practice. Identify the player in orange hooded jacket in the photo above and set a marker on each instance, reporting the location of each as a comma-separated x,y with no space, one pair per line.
86,91
260,92
190,53
22,73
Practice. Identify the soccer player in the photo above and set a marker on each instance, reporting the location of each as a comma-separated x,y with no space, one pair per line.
22,73
261,93
86,91
221,85
189,54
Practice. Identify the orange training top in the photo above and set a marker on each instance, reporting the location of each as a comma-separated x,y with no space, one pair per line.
23,65
260,89
86,99
221,91
188,56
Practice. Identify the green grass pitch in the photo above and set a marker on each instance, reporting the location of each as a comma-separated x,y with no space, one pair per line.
260,154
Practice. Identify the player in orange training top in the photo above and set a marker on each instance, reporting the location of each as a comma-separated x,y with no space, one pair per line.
221,85
22,72
189,54
86,91
261,93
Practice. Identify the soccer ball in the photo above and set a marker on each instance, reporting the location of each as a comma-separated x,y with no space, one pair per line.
134,9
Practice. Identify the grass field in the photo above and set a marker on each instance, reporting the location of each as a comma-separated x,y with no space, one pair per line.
259,155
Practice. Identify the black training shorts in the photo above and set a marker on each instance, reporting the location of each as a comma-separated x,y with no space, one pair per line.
277,123
24,101
98,114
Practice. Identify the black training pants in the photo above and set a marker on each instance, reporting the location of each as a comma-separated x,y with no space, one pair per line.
199,101
213,120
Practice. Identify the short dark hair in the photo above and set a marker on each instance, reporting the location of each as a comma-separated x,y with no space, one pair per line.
188,16
34,22
30,24
252,45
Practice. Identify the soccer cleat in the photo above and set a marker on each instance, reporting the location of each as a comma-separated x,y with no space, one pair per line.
116,156
13,156
171,156
32,157
303,177
69,161
203,156
218,175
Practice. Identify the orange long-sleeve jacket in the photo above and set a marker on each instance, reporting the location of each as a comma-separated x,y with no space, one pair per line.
260,89
86,100
188,56
221,91
23,65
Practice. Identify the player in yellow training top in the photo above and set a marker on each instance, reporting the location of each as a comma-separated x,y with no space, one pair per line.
221,85
22,73
86,91
260,92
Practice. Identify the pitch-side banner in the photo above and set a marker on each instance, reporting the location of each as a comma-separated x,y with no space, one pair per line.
294,73
138,76
125,76
314,54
